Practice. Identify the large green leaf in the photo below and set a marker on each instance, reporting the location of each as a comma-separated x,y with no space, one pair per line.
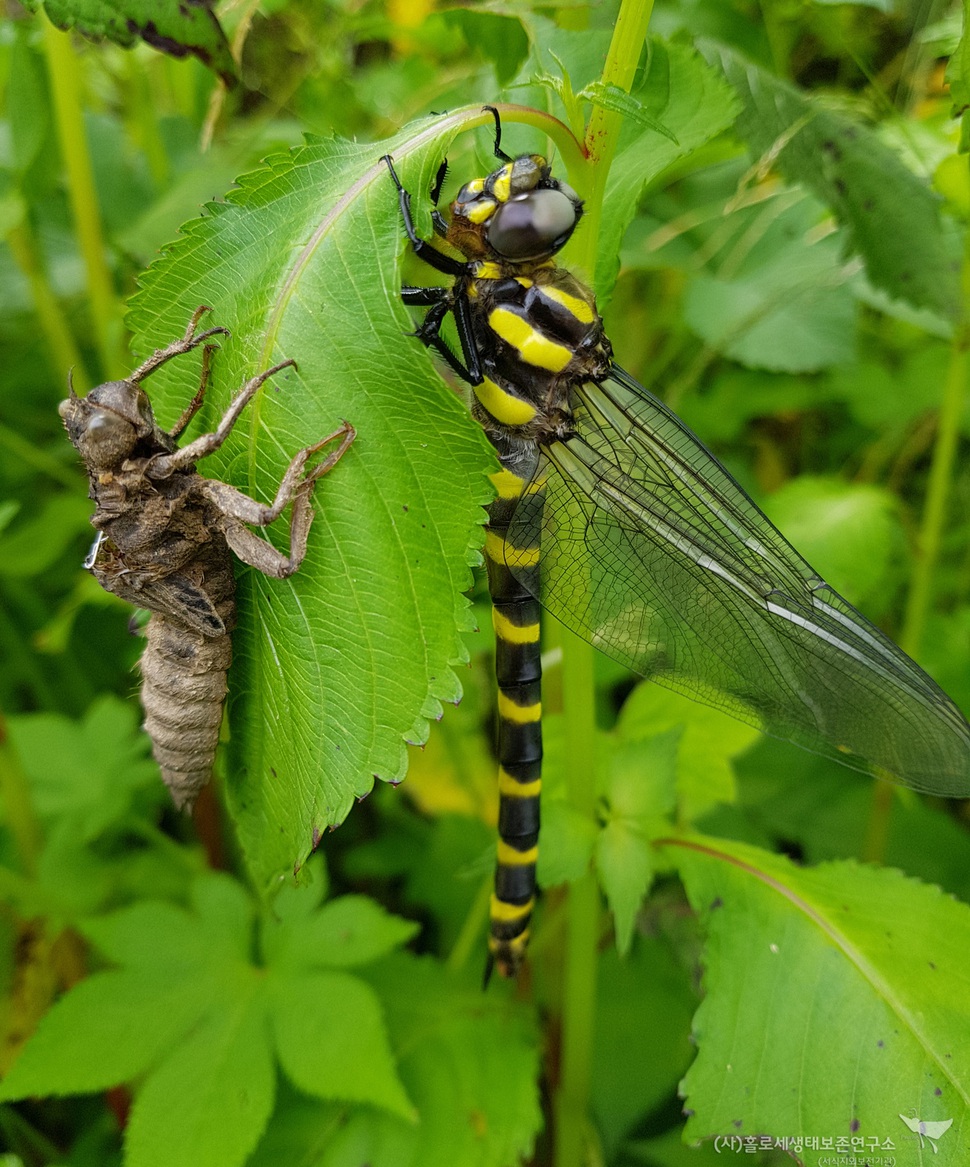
335,668
836,1001
891,214
200,1027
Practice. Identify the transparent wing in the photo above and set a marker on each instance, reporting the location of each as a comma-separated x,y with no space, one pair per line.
652,552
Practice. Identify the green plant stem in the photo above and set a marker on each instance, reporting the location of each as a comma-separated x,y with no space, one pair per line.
583,904
66,92
475,922
930,539
61,351
603,131
582,911
941,477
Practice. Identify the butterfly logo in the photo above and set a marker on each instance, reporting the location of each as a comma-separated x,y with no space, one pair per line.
927,1130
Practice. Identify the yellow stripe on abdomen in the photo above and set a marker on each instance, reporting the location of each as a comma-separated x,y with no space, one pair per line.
518,714
504,406
514,633
512,858
507,913
498,551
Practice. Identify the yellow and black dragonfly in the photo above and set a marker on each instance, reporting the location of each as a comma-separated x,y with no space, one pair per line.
613,516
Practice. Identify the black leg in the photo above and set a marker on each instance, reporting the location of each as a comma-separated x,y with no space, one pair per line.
440,301
497,148
423,250
424,297
439,182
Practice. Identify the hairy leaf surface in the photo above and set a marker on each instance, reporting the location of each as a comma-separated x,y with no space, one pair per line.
848,983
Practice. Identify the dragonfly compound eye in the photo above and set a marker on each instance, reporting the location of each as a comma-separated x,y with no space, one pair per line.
107,425
533,225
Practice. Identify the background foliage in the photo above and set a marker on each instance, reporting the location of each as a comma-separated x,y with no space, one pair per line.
780,254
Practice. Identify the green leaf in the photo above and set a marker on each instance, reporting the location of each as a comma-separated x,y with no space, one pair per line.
190,1014
335,668
332,1041
891,215
209,1101
349,931
616,100
171,26
498,37
638,791
30,547
468,1060
568,835
86,771
688,97
28,103
108,1029
710,741
835,998
883,396
793,316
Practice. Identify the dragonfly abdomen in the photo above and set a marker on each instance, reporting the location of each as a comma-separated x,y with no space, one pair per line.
183,692
518,667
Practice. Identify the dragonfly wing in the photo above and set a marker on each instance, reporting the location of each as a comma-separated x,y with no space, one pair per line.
652,552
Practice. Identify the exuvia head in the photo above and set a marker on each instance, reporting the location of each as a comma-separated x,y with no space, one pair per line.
108,424
521,212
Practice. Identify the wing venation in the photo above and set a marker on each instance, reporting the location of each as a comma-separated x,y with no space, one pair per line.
652,552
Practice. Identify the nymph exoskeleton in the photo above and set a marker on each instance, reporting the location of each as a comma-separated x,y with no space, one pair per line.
166,538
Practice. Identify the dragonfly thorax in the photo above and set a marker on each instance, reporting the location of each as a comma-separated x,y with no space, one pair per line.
538,335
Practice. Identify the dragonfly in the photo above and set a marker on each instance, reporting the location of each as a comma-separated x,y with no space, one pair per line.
614,517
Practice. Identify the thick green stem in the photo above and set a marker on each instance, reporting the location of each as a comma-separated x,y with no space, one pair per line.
582,911
66,92
603,131
920,596
583,904
941,476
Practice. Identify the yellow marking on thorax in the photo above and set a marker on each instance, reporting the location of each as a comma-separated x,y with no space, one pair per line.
486,270
533,347
499,551
519,714
512,858
502,185
480,210
504,406
514,633
524,281
507,913
581,309
476,186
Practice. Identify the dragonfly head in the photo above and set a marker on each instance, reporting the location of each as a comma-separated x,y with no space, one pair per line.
520,213
108,424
